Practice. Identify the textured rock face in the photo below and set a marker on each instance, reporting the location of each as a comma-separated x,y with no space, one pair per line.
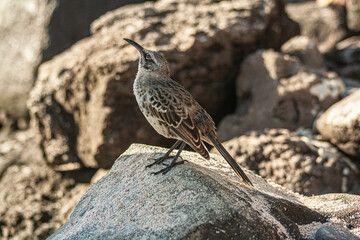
33,31
35,200
298,163
324,25
83,102
277,90
341,124
340,208
79,15
197,200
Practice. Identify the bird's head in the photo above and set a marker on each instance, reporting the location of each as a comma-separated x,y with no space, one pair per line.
150,61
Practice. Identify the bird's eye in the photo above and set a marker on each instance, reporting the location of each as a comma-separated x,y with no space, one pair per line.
147,56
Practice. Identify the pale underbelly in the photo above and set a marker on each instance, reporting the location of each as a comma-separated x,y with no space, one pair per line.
160,128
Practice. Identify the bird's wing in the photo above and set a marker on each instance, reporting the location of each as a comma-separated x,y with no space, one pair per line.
172,104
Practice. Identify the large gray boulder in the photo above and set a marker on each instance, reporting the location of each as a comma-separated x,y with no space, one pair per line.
82,102
282,89
33,31
202,199
341,124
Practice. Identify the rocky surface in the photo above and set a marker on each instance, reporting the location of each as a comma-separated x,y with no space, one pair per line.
202,199
83,103
33,31
341,208
84,115
327,233
306,51
35,200
324,25
353,15
299,163
345,58
341,124
23,30
279,90
334,3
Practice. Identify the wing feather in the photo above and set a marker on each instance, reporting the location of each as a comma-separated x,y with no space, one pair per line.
171,108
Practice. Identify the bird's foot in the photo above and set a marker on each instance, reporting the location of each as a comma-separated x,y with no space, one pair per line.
168,164
159,160
169,167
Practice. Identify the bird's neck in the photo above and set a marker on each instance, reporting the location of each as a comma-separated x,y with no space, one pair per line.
143,74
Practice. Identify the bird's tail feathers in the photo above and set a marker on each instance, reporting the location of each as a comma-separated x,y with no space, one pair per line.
230,160
198,145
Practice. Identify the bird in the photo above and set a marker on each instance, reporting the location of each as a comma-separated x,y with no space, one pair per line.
173,112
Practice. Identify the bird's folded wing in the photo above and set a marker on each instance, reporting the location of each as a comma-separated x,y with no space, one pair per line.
172,110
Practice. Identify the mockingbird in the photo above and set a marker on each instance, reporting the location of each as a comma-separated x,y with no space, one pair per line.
173,112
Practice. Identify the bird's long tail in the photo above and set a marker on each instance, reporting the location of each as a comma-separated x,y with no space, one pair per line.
230,160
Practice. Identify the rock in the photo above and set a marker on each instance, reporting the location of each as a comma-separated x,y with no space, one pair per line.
341,124
5,124
33,31
351,86
277,90
341,208
35,200
301,164
79,15
99,174
324,25
83,103
21,44
327,233
202,199
306,50
345,58
353,15
335,3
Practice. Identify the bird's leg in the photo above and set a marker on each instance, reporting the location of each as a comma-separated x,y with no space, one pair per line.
173,162
166,156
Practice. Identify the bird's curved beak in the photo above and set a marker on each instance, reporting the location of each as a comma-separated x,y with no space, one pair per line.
136,45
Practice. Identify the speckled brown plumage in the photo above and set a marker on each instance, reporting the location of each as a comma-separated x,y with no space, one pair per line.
173,112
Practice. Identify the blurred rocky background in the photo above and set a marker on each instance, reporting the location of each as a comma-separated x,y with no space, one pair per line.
280,78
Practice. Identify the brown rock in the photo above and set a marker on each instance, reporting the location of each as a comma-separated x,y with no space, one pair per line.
341,124
324,25
324,3
306,50
33,31
353,15
298,163
276,90
83,103
35,200
345,58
